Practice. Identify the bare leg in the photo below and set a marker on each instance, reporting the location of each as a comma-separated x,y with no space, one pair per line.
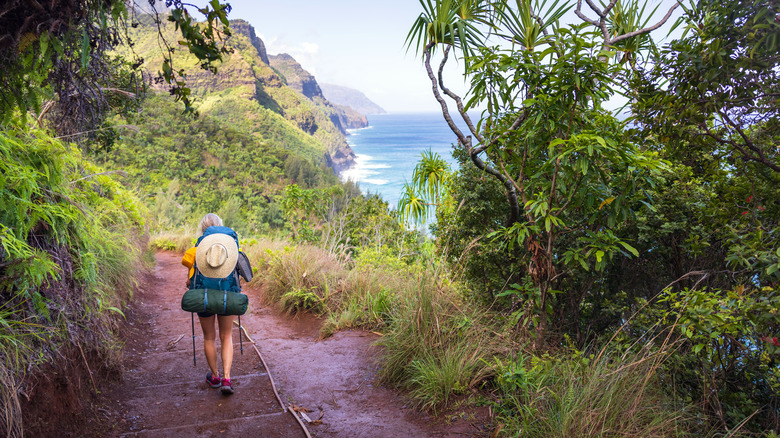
226,339
209,342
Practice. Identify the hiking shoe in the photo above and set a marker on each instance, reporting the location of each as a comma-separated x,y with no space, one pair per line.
213,381
227,387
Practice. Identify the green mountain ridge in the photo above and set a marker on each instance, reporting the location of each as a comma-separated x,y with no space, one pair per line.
257,133
246,89
344,117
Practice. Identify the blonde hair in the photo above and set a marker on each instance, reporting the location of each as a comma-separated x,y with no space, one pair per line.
209,220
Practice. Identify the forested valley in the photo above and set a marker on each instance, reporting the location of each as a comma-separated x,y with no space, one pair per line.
584,271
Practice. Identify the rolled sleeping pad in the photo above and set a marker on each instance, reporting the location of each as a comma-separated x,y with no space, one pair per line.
216,301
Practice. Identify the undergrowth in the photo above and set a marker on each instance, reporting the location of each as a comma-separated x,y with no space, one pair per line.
68,260
433,346
609,395
441,348
170,241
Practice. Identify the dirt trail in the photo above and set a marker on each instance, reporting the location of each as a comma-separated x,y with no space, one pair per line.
163,394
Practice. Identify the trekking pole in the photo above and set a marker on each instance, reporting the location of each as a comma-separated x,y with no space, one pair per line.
193,339
240,340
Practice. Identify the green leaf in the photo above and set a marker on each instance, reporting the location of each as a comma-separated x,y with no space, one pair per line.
697,348
629,248
84,49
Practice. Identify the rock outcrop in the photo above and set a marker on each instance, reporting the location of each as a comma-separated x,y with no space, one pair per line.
297,78
306,84
350,119
246,29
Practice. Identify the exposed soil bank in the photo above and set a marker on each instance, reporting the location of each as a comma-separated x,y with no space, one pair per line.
163,394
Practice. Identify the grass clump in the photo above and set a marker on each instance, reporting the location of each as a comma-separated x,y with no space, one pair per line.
306,277
433,347
299,277
578,396
170,241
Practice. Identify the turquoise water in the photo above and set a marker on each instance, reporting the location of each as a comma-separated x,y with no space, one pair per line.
390,147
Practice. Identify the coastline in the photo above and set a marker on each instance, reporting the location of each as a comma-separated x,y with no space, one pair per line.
353,171
387,151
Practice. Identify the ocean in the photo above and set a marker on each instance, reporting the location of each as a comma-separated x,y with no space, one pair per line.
390,147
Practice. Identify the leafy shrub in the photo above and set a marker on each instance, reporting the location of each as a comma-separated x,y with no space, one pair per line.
68,257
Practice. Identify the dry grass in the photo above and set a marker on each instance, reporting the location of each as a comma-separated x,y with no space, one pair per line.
11,418
168,241
297,277
304,277
432,346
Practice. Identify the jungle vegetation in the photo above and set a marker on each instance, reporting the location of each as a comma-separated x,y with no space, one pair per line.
588,273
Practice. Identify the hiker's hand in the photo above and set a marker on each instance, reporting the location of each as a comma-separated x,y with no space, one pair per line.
187,283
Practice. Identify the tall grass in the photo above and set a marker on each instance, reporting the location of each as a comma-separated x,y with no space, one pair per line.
171,241
304,277
299,277
10,417
610,396
432,345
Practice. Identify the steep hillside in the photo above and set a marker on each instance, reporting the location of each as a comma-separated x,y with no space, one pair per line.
354,99
303,82
190,167
68,262
248,92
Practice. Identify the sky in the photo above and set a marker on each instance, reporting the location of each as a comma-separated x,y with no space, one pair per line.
353,43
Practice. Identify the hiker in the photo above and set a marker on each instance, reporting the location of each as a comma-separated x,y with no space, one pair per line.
218,263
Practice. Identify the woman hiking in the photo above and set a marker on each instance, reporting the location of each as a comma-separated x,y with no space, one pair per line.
215,261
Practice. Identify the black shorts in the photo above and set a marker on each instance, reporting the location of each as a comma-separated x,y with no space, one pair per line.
207,314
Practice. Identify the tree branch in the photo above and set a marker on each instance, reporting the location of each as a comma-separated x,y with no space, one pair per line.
457,98
465,141
582,16
516,124
443,103
761,158
647,29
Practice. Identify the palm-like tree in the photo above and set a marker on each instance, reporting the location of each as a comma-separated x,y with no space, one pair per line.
549,72
429,178
449,22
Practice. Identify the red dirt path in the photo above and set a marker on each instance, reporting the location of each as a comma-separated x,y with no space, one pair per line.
163,394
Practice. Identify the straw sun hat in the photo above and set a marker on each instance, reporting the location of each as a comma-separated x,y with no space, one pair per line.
216,255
